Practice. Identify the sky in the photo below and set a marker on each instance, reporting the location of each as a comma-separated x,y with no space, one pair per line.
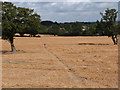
69,11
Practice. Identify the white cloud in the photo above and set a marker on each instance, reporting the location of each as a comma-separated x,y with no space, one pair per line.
103,5
74,1
53,4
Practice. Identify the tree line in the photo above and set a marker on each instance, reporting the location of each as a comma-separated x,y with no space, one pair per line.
107,26
26,21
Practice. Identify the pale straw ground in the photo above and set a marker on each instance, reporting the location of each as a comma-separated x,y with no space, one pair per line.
59,62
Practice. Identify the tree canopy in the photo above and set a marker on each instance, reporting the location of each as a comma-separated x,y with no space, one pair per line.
109,18
18,20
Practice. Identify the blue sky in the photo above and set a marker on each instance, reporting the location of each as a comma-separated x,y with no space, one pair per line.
69,11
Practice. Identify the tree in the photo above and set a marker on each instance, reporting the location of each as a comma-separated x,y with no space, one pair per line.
100,28
34,24
54,29
92,30
47,23
9,26
43,29
29,22
109,17
17,19
22,18
118,28
76,28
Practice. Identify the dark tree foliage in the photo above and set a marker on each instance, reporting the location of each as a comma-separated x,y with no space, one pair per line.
63,29
47,23
118,28
54,29
100,28
76,29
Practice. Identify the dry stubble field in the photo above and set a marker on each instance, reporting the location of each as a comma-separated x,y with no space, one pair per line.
63,64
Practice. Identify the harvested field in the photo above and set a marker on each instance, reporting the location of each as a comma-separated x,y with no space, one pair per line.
60,62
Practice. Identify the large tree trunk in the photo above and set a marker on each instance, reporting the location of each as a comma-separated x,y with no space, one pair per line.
115,39
13,49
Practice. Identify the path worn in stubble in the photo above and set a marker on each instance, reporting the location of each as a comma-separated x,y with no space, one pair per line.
79,82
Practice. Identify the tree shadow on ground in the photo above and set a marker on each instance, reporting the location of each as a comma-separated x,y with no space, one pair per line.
92,44
10,52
